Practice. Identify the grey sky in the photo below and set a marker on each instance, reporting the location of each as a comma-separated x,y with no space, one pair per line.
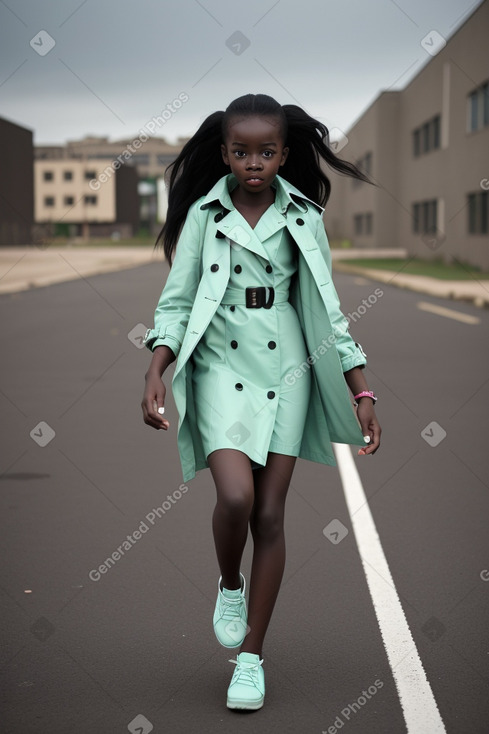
116,64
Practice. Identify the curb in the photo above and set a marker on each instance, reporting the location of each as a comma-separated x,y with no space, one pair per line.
422,284
36,269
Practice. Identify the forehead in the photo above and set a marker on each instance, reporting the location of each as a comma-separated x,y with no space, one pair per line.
254,129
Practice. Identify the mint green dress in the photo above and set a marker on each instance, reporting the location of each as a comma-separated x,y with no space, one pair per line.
249,393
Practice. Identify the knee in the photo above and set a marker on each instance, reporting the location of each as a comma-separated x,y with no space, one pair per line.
236,504
267,523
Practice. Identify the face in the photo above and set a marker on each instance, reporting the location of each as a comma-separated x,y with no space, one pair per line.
254,150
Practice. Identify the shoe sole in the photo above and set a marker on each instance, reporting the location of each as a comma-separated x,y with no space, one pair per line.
245,705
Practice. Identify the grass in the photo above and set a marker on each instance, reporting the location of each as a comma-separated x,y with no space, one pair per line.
416,266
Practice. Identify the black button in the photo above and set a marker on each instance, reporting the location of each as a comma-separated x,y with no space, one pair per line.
232,308
220,235
300,221
270,394
271,345
214,267
234,344
237,268
269,268
219,216
238,386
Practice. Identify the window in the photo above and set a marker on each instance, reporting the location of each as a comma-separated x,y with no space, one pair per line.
368,223
140,159
67,175
435,132
477,212
49,201
416,218
164,159
485,104
69,200
362,223
426,137
478,108
48,176
90,174
90,200
368,163
416,143
473,106
425,216
365,165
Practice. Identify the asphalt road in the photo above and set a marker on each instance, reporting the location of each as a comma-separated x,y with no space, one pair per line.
132,648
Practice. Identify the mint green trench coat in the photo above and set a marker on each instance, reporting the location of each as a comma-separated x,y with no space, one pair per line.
195,288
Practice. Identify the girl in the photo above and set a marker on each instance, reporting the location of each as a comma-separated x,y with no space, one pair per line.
263,351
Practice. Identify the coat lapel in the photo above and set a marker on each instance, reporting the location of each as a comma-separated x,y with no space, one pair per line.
238,231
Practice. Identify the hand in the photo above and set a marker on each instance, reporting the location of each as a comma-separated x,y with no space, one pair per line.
154,398
370,426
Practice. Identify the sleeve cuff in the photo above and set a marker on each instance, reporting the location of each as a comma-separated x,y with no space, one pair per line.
357,359
152,340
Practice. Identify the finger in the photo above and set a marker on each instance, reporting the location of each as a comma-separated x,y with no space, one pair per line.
156,423
158,411
152,417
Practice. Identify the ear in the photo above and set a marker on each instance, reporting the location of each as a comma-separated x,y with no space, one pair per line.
285,153
224,154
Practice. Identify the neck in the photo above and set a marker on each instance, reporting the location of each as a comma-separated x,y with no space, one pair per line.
250,200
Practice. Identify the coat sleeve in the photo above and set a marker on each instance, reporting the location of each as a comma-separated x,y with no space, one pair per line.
350,352
177,297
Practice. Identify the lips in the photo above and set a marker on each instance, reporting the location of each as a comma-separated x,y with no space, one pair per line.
254,179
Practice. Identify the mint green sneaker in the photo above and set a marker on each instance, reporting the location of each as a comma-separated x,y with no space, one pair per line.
231,616
247,687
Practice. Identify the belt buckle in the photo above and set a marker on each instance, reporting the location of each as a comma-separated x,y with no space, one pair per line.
257,296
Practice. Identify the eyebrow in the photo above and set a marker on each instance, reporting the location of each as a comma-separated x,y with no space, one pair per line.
245,145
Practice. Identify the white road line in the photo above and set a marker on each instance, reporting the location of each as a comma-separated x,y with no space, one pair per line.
415,695
448,312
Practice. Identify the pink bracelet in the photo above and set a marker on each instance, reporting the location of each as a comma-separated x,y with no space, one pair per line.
366,394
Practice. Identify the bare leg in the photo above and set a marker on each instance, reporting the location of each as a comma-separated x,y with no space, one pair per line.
233,477
267,528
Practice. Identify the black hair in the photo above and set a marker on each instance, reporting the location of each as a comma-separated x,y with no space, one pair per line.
200,165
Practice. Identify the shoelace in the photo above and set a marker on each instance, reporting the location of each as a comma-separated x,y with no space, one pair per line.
246,672
231,607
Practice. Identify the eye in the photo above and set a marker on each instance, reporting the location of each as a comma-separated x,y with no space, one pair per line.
268,153
237,153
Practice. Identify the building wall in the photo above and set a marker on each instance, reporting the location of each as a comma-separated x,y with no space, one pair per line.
374,133
447,174
104,208
16,184
451,172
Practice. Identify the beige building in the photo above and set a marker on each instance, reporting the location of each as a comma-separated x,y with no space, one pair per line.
82,194
151,155
146,155
427,148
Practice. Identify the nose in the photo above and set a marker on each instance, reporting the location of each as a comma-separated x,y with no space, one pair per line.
253,162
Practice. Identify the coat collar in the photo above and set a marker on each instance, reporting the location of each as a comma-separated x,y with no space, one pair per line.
286,195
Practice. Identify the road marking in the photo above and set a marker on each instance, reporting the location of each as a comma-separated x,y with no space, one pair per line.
415,695
448,312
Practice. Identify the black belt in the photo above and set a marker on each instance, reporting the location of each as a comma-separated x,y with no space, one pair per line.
255,296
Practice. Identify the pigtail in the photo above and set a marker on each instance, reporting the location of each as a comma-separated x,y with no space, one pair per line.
306,140
191,175
200,165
